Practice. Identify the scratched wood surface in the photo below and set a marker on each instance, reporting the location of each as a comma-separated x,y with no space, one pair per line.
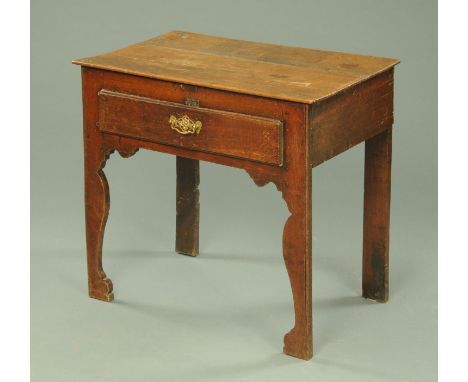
273,71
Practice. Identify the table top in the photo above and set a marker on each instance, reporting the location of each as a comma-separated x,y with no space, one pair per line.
267,70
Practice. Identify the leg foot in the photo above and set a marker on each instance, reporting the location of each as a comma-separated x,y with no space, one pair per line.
297,345
101,289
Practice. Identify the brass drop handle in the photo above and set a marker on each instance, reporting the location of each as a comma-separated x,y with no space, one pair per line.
184,125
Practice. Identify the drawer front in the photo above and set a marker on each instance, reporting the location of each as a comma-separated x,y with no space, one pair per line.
196,128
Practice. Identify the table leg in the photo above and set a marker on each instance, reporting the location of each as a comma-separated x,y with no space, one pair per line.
297,252
377,216
96,210
96,190
188,206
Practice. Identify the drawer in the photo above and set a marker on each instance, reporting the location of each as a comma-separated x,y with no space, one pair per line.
195,128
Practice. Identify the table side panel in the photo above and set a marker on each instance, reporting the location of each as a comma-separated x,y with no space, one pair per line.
351,117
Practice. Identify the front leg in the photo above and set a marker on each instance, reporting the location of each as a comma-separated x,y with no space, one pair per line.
96,211
96,153
295,184
297,252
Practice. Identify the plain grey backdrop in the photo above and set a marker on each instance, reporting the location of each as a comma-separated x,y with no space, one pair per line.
222,316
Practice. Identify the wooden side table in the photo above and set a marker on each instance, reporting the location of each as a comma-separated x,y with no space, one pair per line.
274,111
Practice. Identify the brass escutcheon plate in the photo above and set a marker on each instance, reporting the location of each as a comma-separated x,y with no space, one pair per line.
184,125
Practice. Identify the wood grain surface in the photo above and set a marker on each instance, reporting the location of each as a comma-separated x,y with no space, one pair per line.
273,71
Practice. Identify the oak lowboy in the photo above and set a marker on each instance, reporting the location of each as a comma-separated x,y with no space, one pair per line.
274,111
